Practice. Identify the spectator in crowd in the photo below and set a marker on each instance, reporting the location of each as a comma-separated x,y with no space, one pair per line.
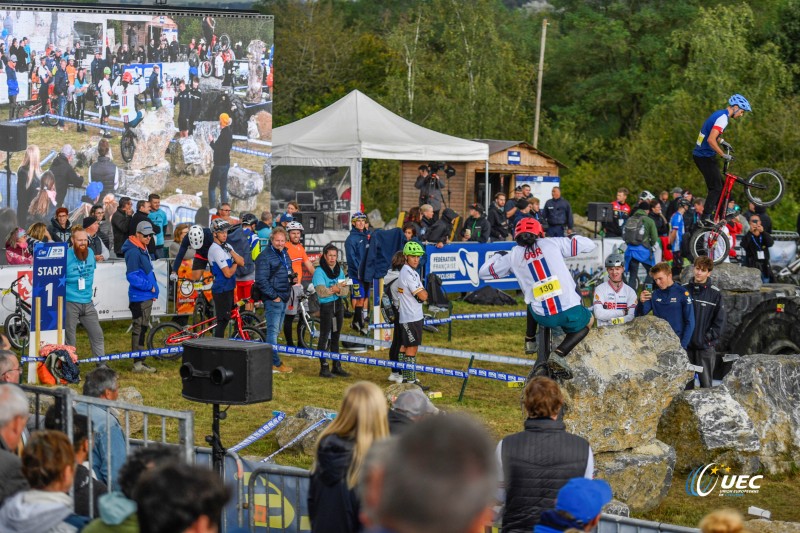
142,288
662,224
663,199
9,365
723,521
64,173
297,253
81,264
414,217
79,52
38,233
621,212
168,94
537,462
412,295
158,217
28,182
174,49
104,170
273,271
142,214
672,207
45,80
117,509
96,67
13,86
92,228
437,477
709,319
524,210
14,413
43,205
223,261
355,250
497,218
181,230
440,232
105,233
641,237
761,211
676,234
222,160
154,87
17,251
756,244
409,407
23,55
614,301
480,229
60,89
120,222
80,445
330,284
48,463
425,224
362,419
224,212
180,498
511,206
669,301
430,190
109,440
578,506
558,215
264,227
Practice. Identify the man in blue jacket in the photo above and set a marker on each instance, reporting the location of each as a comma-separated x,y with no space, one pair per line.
13,86
558,214
80,285
142,288
274,279
354,247
670,301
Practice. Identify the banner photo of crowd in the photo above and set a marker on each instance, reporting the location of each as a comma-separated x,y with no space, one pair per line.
126,109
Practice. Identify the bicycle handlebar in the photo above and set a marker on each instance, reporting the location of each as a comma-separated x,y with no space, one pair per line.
725,144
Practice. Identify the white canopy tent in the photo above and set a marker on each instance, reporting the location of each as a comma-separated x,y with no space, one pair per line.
357,127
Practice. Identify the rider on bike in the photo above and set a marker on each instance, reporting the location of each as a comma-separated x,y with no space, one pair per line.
126,92
707,148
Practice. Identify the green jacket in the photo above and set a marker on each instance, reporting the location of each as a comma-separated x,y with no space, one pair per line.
650,230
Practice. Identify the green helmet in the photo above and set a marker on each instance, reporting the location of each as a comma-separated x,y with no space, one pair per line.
413,248
106,70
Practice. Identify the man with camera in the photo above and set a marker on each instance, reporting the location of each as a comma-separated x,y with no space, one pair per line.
223,260
430,188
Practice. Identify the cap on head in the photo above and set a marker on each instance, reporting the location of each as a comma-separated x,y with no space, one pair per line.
583,498
477,207
94,189
225,120
677,190
145,228
88,221
414,403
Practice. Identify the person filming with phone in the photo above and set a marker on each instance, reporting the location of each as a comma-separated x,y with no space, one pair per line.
669,301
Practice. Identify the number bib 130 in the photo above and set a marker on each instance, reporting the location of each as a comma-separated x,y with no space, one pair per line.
546,289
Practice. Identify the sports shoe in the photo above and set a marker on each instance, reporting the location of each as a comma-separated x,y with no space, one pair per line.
558,366
418,383
530,347
141,368
396,377
283,369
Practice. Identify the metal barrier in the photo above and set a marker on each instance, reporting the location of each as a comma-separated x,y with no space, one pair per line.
291,506
203,456
623,524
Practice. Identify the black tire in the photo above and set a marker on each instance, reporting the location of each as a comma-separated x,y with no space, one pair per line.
17,330
704,238
224,42
159,337
250,319
305,336
51,120
774,183
127,145
203,310
206,69
248,334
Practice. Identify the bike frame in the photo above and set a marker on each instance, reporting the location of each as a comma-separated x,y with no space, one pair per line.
727,188
20,304
188,332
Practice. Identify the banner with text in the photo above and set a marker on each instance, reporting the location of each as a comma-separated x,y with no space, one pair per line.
49,292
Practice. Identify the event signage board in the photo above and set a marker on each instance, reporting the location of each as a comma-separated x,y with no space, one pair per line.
48,292
541,186
514,157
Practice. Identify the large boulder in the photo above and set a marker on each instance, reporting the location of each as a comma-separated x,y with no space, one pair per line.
255,71
292,426
132,396
640,477
187,200
86,155
768,388
708,425
153,135
729,277
244,183
150,179
625,376
263,120
190,157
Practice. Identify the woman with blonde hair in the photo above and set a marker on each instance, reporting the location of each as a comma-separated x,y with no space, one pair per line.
181,230
723,521
38,233
28,183
341,449
43,205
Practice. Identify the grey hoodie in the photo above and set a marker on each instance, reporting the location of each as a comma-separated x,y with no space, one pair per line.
36,511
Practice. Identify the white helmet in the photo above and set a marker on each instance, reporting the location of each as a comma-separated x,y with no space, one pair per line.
294,225
646,196
196,236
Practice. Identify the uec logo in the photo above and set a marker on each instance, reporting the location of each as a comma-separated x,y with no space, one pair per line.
704,479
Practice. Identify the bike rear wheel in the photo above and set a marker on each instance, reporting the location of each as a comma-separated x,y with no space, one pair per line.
51,119
709,242
767,187
127,145
224,41
306,335
206,68
166,335
203,310
248,334
17,329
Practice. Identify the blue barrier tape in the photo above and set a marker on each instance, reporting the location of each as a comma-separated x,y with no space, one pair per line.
260,433
155,352
473,316
300,435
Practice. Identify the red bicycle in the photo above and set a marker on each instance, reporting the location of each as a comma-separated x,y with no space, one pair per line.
173,334
764,187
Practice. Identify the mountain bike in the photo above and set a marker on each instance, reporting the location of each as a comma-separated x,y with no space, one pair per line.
173,334
127,143
764,187
18,324
307,325
33,108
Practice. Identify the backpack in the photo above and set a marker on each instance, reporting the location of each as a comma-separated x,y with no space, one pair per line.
388,308
633,230
436,295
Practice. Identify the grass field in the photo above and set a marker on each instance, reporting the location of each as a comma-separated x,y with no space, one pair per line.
491,401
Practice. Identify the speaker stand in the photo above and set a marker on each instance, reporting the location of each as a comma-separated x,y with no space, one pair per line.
8,179
217,450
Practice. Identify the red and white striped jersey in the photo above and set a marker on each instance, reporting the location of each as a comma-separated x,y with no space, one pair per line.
541,272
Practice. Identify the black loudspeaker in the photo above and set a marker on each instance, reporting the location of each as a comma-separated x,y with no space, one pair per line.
601,212
329,193
13,137
224,371
313,221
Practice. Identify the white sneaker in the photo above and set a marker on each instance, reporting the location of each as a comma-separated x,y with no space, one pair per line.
396,377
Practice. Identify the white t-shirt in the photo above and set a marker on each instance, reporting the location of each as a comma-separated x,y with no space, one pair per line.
409,285
542,274
218,256
168,97
611,307
105,87
127,101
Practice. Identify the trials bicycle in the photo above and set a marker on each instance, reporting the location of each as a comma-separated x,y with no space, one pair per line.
18,324
764,187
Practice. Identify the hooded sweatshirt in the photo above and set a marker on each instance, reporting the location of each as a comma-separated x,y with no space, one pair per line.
332,506
117,515
58,233
139,271
37,511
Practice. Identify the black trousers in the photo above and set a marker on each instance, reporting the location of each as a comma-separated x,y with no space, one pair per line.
223,304
394,349
709,168
706,357
331,317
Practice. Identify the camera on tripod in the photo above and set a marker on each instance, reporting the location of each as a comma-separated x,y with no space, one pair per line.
436,166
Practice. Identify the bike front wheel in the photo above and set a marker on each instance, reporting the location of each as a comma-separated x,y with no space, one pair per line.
17,330
224,41
308,333
709,242
127,145
206,69
248,334
167,335
765,187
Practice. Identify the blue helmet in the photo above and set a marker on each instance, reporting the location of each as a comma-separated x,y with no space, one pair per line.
741,101
358,216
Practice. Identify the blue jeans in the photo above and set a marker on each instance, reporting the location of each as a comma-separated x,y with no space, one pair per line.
62,103
219,178
273,313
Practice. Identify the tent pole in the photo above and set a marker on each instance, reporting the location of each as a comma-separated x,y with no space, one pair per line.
487,192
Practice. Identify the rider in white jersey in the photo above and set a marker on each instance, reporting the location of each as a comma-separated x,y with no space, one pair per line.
614,301
126,92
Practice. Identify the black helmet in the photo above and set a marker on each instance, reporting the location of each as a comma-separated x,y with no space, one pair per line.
249,219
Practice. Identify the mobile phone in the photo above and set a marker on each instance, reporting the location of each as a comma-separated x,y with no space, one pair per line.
648,287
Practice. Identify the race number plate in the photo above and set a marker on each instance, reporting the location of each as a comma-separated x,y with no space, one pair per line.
546,289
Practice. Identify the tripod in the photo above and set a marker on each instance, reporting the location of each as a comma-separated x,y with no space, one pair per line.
217,450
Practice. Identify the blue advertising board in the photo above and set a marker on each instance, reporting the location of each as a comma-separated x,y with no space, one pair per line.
514,157
49,292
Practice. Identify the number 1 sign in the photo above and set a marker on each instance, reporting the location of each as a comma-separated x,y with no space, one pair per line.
49,296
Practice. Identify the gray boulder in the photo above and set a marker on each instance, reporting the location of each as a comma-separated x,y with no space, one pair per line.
625,376
244,205
150,179
255,71
188,158
188,200
86,155
706,425
244,183
292,426
640,477
730,277
768,388
153,135
132,396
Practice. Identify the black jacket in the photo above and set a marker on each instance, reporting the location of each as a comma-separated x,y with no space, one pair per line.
441,229
709,315
272,273
119,225
222,147
558,213
662,224
537,462
498,222
58,233
65,177
10,473
430,191
25,195
752,245
479,228
332,506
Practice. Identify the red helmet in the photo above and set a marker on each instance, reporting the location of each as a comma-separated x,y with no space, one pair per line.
529,225
127,76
